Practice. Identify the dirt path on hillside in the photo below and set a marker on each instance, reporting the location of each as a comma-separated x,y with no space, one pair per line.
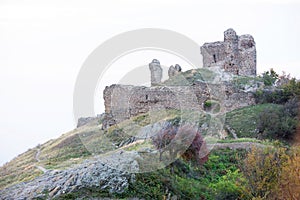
37,158
236,145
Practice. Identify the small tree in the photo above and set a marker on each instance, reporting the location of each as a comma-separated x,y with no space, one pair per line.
184,140
283,79
273,173
270,77
262,169
289,182
292,88
163,138
279,123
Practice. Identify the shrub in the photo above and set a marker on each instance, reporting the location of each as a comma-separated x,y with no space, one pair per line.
163,138
262,169
227,188
277,96
289,183
279,123
207,104
291,107
212,106
270,77
292,88
273,173
185,140
197,150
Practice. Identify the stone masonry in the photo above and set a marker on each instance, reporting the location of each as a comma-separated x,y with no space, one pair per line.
173,71
236,54
156,72
125,101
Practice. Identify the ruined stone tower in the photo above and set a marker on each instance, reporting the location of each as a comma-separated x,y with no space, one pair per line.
156,72
236,54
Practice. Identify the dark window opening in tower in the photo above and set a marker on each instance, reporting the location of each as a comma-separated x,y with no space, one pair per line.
231,57
215,59
146,97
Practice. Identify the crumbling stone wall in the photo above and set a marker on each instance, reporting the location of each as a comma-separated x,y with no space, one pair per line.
156,72
173,71
125,101
236,54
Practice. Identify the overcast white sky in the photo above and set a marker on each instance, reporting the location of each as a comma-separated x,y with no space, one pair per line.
44,43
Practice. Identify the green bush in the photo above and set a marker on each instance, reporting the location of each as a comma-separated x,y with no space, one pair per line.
270,77
279,123
292,88
227,188
212,106
277,96
244,120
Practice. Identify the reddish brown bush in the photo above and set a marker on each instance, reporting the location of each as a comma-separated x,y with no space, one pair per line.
184,140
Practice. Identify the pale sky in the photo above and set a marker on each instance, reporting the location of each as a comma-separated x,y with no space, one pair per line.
43,44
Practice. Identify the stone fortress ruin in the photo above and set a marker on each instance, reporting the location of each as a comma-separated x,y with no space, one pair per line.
235,56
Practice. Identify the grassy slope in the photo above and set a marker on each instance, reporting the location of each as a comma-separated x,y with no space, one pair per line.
184,180
20,169
244,120
71,148
190,76
68,149
54,154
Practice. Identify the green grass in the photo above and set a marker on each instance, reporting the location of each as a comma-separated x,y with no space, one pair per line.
19,169
242,81
61,153
75,146
191,76
253,140
244,120
182,180
216,179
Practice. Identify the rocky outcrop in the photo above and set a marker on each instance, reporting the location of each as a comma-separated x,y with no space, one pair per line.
91,174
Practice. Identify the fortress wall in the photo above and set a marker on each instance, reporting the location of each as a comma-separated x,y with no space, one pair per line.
125,101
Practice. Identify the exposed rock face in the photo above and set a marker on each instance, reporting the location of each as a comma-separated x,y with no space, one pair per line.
156,72
90,174
236,54
173,71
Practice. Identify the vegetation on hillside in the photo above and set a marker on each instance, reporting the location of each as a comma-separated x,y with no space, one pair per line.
269,170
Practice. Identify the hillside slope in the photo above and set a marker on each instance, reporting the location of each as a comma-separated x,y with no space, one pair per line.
89,153
123,162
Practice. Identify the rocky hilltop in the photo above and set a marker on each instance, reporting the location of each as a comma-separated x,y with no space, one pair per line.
114,155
